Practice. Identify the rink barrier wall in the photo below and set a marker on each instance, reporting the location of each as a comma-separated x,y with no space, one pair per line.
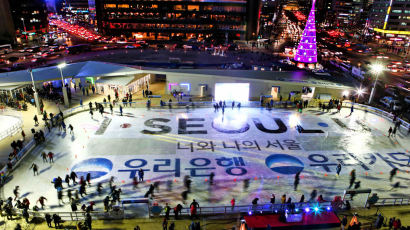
392,201
15,128
379,112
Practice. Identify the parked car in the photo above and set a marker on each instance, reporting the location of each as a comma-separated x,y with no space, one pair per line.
389,102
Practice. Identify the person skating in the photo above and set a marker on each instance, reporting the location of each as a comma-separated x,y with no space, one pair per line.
352,178
141,174
35,120
120,110
35,169
111,109
51,157
41,201
232,204
390,131
394,131
99,188
211,178
150,191
60,196
16,192
71,128
338,169
88,179
351,110
73,176
393,173
91,113
67,180
296,182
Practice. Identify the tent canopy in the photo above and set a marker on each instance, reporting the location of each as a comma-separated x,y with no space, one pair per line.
74,70
120,81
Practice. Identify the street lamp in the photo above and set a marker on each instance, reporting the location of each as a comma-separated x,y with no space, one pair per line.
24,27
60,67
36,100
376,69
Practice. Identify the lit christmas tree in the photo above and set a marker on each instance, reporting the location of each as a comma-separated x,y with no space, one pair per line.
307,50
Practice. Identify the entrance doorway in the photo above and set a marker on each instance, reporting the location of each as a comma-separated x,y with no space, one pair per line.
238,92
275,92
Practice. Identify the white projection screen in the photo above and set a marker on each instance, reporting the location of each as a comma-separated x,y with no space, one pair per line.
238,92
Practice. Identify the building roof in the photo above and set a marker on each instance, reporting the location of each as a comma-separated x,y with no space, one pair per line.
301,77
74,70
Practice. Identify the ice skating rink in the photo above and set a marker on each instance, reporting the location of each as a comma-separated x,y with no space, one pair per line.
265,148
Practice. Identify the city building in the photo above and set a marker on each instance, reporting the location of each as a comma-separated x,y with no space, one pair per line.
167,20
391,18
29,15
350,14
7,32
73,10
270,12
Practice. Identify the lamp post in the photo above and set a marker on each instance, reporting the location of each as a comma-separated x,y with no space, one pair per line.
376,69
36,100
24,26
66,102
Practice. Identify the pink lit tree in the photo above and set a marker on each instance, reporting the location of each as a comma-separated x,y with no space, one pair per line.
307,50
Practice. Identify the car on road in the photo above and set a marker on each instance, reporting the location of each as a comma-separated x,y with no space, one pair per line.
392,92
407,100
389,102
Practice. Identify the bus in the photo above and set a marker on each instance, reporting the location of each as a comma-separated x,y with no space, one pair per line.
78,48
5,49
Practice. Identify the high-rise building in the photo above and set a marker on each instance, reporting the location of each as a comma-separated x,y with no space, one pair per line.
350,14
29,15
7,32
175,19
391,17
270,12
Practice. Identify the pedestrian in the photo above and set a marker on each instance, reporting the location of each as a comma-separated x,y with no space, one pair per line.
352,178
393,173
302,199
390,131
344,222
60,196
26,215
272,199
48,220
57,220
296,182
193,208
35,169
51,157
165,224
35,120
338,169
177,211
44,156
88,221
167,209
71,128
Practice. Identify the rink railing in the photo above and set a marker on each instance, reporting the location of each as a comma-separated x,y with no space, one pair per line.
12,130
255,209
392,201
181,104
379,112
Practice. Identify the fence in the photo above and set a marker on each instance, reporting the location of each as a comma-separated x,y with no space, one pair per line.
254,209
11,130
379,112
392,201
